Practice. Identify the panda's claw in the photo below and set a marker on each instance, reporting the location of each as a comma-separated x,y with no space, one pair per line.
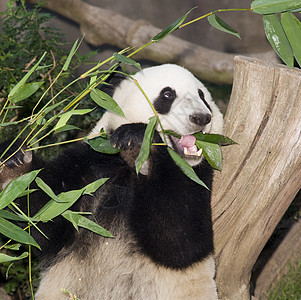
18,156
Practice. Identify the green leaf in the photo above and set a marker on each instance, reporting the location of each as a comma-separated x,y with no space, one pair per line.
24,79
95,185
101,144
104,100
16,187
277,38
171,28
80,221
71,54
13,247
26,91
52,208
7,258
126,60
52,107
146,143
292,27
219,24
12,216
47,189
64,118
67,128
27,192
15,233
274,6
185,167
214,138
212,153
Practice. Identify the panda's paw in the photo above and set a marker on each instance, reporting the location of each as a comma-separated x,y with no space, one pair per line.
130,136
16,154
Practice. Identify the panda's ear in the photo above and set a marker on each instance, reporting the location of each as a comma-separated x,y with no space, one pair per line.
113,82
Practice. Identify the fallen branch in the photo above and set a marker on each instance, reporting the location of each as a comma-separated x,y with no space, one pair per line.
102,26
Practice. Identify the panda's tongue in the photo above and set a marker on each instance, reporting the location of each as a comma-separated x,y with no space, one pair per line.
187,143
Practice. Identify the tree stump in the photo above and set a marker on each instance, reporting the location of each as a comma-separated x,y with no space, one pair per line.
262,174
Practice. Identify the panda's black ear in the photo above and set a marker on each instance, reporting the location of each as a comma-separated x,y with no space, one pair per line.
113,82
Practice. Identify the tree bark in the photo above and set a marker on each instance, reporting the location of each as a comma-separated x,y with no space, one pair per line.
288,253
262,174
101,26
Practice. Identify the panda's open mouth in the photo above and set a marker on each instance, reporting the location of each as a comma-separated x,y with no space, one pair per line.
185,146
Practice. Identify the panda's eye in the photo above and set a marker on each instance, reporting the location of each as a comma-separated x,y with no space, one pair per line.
168,94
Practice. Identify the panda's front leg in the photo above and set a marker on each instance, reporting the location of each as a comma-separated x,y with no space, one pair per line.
128,138
15,162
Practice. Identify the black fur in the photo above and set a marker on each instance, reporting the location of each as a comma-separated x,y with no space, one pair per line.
168,214
165,100
202,96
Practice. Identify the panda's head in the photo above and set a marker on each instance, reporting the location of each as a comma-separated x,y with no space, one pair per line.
183,104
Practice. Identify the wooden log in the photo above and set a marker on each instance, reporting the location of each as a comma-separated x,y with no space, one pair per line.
262,174
102,26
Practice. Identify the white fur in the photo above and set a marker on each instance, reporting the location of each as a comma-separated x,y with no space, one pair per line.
137,276
153,80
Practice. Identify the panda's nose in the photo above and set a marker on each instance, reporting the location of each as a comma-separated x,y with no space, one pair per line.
200,119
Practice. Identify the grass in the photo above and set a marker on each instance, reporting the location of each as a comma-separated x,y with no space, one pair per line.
289,285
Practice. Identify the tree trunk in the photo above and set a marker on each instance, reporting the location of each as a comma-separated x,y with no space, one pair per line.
262,174
286,255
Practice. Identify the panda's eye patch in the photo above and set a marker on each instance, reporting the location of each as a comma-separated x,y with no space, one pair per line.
168,94
165,100
202,96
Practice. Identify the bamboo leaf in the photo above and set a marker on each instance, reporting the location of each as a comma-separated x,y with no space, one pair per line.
292,27
212,153
171,28
7,258
71,54
64,118
80,221
95,185
221,25
26,91
126,60
277,38
16,187
15,233
66,128
101,144
13,247
104,100
274,6
214,139
24,79
185,167
146,143
53,208
13,216
47,189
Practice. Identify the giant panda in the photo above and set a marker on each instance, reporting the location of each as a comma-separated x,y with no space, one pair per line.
160,219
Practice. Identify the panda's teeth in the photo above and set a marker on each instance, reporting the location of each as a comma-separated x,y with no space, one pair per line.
199,153
186,152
